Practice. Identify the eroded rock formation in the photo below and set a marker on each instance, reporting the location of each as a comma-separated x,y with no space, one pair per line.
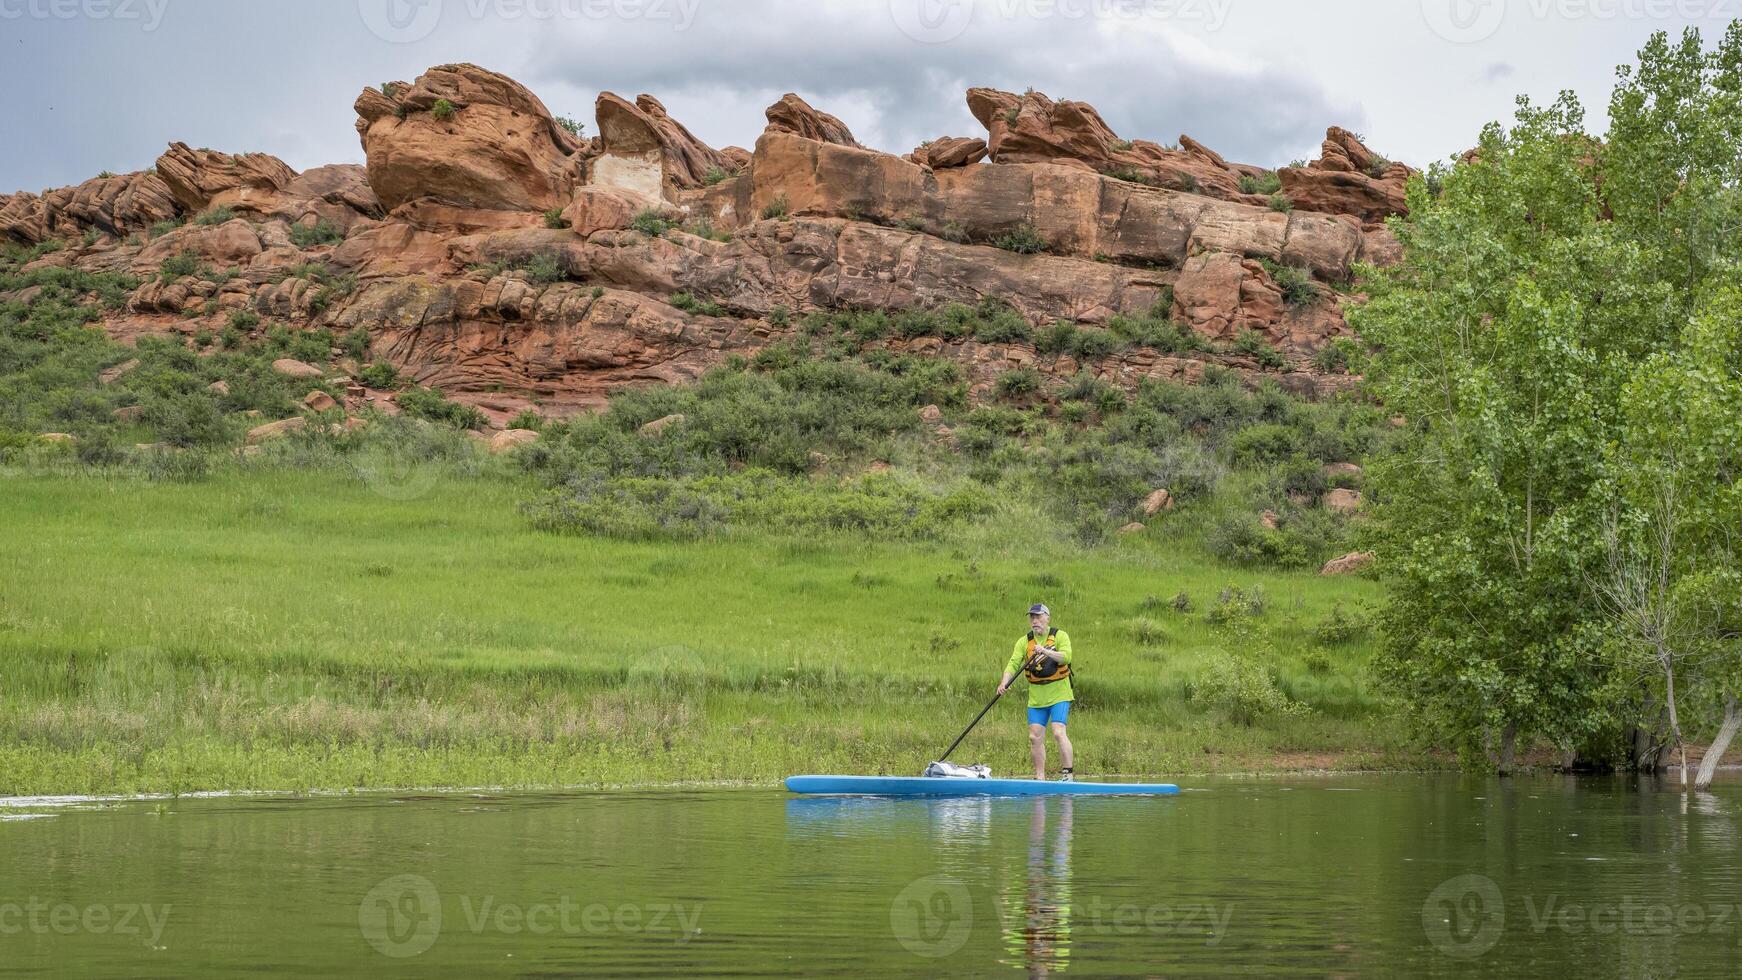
488,250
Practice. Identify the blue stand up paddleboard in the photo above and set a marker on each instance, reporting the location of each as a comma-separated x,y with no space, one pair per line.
937,786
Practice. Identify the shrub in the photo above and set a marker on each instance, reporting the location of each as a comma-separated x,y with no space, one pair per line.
1129,173
1147,632
652,221
1339,628
160,228
176,266
321,232
780,316
1119,146
1341,356
715,175
1181,602
1023,240
543,269
243,320
431,404
1188,183
214,216
1281,202
1263,444
1268,183
1057,339
356,342
528,419
554,219
1296,283
1089,343
1018,382
1242,540
442,110
1377,166
952,231
776,208
1004,327
380,375
1241,688
1253,344
573,127
689,304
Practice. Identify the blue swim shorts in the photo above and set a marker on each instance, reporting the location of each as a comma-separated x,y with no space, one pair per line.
1057,714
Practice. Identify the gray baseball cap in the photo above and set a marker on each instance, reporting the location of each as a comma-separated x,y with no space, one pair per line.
1039,609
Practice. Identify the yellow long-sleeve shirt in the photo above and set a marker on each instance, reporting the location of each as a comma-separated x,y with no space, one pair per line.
1044,695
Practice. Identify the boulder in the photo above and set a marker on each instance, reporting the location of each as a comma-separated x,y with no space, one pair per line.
1269,520
1131,528
292,368
275,430
1157,501
130,413
931,415
319,401
949,151
1339,471
794,115
659,425
508,439
498,147
201,179
219,388
58,437
1352,562
1342,501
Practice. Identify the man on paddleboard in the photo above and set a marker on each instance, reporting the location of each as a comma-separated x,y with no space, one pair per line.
1043,655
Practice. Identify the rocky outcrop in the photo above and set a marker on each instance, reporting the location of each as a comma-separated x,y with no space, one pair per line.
644,151
796,116
1348,178
116,205
488,250
201,179
467,137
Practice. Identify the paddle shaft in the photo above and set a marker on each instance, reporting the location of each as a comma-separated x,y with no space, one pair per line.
946,756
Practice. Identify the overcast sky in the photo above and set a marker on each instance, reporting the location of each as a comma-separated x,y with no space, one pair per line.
98,85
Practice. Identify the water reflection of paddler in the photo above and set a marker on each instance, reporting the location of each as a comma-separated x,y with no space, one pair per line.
1042,938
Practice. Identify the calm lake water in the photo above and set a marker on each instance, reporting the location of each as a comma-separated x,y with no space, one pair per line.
1350,875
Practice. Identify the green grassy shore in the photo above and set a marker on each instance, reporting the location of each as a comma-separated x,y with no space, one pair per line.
283,629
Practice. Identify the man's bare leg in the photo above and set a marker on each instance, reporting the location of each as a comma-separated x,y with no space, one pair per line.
1059,736
1037,749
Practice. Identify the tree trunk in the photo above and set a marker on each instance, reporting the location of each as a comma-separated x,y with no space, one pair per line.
1508,747
1720,742
1648,742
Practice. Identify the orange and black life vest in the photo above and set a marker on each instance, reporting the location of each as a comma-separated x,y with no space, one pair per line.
1043,670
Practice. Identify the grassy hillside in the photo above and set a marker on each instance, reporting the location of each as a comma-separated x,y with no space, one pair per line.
804,573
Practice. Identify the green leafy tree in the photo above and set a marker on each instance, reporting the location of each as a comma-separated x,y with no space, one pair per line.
1547,270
